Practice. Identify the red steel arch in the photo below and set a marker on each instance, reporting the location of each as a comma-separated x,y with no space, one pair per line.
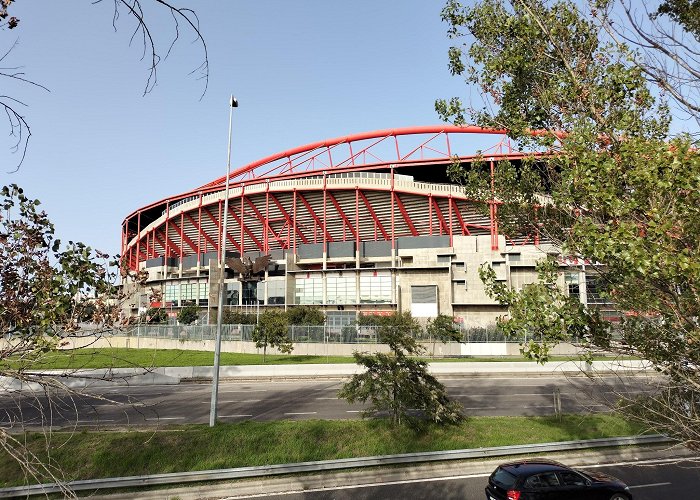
265,220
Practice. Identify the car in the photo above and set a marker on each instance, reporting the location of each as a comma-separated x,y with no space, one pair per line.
549,480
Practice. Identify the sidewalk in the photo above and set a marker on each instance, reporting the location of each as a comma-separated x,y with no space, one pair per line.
185,374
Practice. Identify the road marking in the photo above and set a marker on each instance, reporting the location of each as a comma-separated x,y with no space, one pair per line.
353,411
249,390
368,485
242,401
480,408
548,394
234,416
332,399
93,421
164,418
302,413
648,485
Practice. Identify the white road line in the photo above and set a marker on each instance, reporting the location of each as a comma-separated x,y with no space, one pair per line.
163,418
436,479
369,485
234,416
648,485
242,401
94,421
302,413
332,399
548,394
353,411
250,390
481,408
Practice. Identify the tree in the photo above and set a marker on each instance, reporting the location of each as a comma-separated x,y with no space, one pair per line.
188,314
306,316
48,291
271,331
607,183
442,329
396,382
238,318
156,316
145,15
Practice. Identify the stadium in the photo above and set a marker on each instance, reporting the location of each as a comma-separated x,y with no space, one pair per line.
364,224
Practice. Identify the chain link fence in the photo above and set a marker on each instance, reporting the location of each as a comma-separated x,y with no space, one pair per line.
349,334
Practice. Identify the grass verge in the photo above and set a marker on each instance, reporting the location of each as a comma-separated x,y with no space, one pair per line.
89,455
150,358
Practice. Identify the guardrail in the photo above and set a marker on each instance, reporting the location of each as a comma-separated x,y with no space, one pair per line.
326,465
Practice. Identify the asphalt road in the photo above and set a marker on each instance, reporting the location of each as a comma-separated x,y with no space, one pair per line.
151,405
651,480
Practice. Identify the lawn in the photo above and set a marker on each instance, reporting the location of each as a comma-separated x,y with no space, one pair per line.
88,455
124,358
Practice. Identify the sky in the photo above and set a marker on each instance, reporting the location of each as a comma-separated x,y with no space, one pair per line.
302,71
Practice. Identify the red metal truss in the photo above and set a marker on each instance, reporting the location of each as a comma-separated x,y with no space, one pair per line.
148,230
346,221
288,218
317,220
404,214
377,222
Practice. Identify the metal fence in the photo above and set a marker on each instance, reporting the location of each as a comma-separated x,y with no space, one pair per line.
350,334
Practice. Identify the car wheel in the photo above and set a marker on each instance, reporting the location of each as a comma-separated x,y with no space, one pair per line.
619,496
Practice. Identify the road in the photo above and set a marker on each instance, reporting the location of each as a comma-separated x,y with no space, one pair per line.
650,480
300,399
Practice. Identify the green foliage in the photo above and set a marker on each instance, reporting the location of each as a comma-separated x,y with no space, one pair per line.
619,189
396,383
442,329
233,317
188,314
101,454
156,316
45,287
306,316
271,331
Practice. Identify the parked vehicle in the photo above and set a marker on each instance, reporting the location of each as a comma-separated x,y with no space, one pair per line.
549,480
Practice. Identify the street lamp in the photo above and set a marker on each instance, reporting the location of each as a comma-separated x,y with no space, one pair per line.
233,103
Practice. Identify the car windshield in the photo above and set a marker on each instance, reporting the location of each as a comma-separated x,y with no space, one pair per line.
503,478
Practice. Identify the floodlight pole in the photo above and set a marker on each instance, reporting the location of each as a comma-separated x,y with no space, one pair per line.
233,103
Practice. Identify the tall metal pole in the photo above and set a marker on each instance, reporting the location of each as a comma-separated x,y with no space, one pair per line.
233,103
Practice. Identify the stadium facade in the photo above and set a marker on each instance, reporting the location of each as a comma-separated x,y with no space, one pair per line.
363,224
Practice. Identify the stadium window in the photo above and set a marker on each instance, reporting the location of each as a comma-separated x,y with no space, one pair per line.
340,289
375,288
275,292
309,290
203,294
572,284
172,293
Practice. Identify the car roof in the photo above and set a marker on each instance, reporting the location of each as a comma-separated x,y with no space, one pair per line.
529,467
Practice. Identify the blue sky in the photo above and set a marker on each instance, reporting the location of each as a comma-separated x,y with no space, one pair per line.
302,71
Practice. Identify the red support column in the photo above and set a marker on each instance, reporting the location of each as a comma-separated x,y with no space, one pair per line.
294,218
492,210
357,216
266,224
167,220
393,227
325,202
199,231
449,207
242,219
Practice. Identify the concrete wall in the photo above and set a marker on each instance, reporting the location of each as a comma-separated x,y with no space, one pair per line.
311,349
